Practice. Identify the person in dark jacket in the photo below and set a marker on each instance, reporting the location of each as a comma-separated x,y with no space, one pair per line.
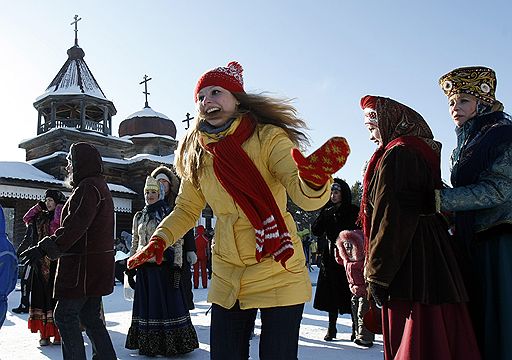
481,201
332,291
84,247
171,184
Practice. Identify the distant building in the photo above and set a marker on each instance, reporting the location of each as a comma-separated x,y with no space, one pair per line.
74,108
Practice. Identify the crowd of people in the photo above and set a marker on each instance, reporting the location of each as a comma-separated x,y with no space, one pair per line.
432,261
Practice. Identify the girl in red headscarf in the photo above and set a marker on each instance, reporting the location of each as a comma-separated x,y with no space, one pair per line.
411,268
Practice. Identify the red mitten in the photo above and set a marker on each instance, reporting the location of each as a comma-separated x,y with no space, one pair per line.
318,167
155,247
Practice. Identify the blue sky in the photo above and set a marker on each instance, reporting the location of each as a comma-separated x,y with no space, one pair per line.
324,54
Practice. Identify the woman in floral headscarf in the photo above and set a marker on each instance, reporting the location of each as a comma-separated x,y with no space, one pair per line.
482,202
411,269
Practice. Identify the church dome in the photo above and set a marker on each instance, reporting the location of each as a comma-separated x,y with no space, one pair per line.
147,121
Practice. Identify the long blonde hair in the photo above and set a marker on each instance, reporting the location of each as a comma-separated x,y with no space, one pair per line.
263,109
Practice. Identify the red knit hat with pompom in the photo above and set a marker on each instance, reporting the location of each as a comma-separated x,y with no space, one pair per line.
229,77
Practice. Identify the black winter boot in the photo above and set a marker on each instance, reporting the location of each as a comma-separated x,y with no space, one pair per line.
331,331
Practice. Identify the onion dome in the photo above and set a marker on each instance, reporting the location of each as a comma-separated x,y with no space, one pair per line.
147,121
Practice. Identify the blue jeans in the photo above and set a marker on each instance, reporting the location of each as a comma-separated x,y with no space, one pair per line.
69,313
231,329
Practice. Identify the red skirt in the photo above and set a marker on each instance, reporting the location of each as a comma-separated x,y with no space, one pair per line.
417,331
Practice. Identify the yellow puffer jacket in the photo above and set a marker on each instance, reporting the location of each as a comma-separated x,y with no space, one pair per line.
236,273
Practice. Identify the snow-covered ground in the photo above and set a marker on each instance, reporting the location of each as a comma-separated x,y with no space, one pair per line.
16,341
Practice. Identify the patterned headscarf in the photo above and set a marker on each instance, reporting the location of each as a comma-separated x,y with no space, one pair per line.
398,125
395,120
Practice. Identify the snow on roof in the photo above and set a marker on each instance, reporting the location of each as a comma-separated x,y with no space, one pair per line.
112,137
25,171
147,112
54,155
168,159
147,135
74,78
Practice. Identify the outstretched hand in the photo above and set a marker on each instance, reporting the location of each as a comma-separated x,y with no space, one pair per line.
155,248
317,168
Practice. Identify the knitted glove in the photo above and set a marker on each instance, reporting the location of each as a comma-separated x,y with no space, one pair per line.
131,277
31,255
379,293
191,257
317,168
155,247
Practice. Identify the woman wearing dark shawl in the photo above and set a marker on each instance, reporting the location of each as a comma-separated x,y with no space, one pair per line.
481,200
410,266
332,291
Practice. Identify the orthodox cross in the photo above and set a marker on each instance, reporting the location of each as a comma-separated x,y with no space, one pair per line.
187,120
145,92
76,28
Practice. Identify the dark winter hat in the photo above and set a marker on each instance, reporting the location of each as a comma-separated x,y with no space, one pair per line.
229,77
56,195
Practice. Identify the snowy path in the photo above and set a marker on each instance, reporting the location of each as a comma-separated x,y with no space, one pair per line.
16,342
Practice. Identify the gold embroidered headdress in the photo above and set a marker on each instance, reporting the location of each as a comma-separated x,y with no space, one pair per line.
478,81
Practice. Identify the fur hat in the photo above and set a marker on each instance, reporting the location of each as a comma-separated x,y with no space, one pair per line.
478,81
56,195
170,176
229,77
350,244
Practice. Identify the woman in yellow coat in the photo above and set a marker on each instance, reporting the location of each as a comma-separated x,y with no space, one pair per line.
241,159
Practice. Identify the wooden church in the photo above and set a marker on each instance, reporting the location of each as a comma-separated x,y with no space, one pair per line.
74,108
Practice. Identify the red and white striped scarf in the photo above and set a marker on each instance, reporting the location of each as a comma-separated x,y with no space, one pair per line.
242,180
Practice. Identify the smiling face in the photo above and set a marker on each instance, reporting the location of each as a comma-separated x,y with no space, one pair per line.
374,134
216,104
462,107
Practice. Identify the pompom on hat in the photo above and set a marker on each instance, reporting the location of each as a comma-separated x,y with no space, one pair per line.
229,77
478,81
369,105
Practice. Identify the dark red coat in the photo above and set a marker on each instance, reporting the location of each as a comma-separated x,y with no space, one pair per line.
84,244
